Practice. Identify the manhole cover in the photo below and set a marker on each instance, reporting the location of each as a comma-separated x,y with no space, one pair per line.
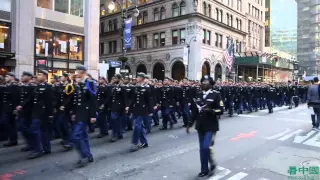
311,162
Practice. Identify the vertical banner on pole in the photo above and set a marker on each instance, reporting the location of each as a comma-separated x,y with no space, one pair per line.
127,33
185,55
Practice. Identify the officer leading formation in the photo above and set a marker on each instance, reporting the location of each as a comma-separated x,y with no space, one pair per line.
70,107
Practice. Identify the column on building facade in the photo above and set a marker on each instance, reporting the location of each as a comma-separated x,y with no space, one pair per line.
91,30
23,22
194,65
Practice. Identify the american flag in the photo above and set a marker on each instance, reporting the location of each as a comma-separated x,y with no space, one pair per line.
228,56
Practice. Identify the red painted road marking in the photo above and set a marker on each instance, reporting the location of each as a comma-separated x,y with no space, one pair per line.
243,135
9,175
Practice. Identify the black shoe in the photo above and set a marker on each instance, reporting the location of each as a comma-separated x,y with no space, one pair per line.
112,140
68,147
202,174
34,155
148,132
82,163
143,145
26,149
163,128
155,125
90,159
10,144
120,137
46,152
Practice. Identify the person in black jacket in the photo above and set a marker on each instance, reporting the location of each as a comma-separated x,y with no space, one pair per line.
209,105
84,108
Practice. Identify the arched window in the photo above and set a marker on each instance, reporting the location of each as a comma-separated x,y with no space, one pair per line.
175,10
237,21
145,17
209,10
204,8
221,16
156,14
228,19
115,24
217,14
231,20
110,27
102,27
139,19
182,8
162,13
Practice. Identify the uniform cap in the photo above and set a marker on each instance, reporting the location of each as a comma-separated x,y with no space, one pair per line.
81,68
55,77
208,78
117,76
141,74
11,74
65,75
25,73
17,79
43,71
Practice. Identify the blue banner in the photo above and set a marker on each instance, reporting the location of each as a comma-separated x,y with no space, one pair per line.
127,33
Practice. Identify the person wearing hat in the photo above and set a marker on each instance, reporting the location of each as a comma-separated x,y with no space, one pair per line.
209,105
102,97
24,108
128,90
10,100
141,108
42,116
117,105
3,135
55,130
84,109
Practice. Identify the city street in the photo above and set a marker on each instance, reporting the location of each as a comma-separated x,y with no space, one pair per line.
256,146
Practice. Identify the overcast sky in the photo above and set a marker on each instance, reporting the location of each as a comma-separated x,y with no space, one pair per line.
283,14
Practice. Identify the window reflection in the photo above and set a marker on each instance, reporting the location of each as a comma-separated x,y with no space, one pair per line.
61,6
45,4
60,46
76,47
175,10
76,8
43,43
4,37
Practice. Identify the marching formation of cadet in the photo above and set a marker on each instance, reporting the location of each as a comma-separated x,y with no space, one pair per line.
70,106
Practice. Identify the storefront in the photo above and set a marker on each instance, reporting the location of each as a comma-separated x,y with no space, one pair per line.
58,52
7,61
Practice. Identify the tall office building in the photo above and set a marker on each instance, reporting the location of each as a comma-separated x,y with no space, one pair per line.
49,34
308,42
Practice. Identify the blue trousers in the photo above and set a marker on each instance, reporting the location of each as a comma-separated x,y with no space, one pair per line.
206,141
10,124
155,116
186,114
35,135
139,132
166,113
81,140
116,124
24,129
102,122
64,126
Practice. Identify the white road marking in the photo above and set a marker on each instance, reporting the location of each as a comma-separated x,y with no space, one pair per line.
238,176
300,139
290,135
246,115
314,141
263,179
279,135
292,120
224,172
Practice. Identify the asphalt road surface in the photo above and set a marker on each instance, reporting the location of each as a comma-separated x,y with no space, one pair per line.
256,146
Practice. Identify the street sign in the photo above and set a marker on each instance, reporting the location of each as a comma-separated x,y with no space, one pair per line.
115,63
127,33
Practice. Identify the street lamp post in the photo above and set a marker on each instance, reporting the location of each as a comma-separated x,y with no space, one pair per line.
194,38
124,16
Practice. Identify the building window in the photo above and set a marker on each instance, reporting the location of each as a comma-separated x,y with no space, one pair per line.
110,47
240,48
204,8
114,48
145,17
231,20
43,42
101,27
240,24
47,4
217,14
139,19
102,48
237,45
249,8
110,26
237,21
182,8
144,42
162,13
115,24
5,32
217,40
175,10
228,19
220,43
76,47
76,7
156,40
162,39
61,6
139,42
60,46
156,14
182,36
249,28
221,16
208,37
209,10
174,37
203,36
142,2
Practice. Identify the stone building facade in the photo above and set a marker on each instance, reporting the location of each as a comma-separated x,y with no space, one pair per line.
164,28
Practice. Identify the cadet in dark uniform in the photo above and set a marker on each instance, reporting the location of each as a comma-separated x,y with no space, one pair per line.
102,98
10,102
271,95
3,135
42,114
210,105
141,107
24,108
84,109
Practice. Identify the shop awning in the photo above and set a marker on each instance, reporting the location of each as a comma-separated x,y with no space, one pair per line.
247,60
